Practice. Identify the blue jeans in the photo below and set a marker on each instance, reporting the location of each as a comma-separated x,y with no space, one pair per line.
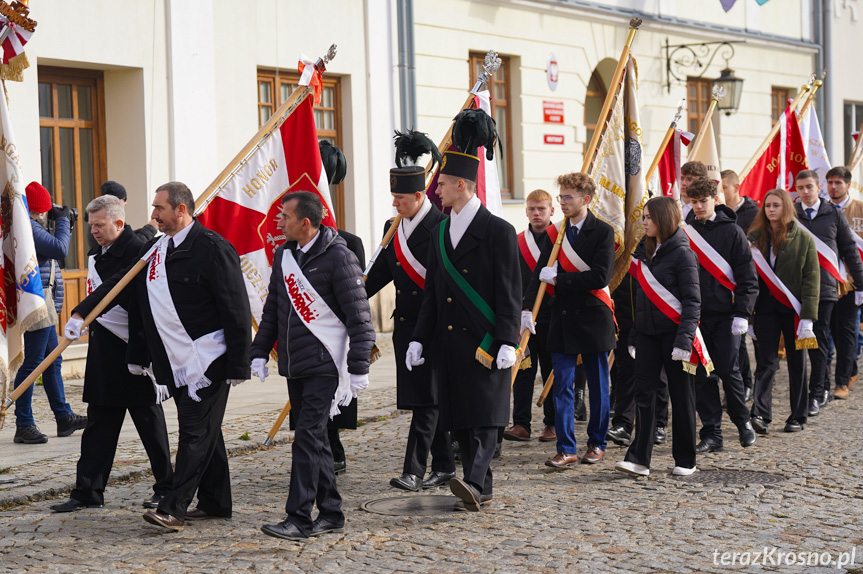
38,345
596,371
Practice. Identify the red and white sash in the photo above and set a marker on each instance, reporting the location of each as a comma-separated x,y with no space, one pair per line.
117,319
827,258
781,293
671,307
415,270
710,259
529,249
321,321
572,263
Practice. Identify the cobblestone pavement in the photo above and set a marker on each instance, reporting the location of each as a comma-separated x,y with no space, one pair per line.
586,519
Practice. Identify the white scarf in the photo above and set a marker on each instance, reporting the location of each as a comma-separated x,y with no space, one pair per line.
189,358
323,323
117,319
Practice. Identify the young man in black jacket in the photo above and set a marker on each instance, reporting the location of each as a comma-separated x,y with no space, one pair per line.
729,287
318,313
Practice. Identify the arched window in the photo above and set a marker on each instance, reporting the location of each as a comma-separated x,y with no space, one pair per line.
593,100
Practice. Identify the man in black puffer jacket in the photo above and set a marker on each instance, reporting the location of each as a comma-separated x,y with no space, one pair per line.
729,287
318,312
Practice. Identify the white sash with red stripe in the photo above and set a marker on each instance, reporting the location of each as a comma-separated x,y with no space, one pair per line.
782,294
572,263
529,249
827,258
710,259
671,307
415,270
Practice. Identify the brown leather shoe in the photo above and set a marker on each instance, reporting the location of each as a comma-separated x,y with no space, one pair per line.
516,432
164,520
851,382
562,460
841,392
548,434
593,455
198,514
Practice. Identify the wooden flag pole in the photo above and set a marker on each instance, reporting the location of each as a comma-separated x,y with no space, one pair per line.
546,388
665,141
585,168
718,94
811,98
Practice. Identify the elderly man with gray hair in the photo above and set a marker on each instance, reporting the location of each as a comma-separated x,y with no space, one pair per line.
109,388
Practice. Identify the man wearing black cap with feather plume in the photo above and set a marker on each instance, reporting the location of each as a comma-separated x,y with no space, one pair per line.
471,311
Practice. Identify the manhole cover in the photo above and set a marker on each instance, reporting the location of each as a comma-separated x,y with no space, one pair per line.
420,505
732,477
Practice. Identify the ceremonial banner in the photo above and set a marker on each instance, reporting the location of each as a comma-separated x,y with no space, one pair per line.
246,210
708,154
816,152
783,159
666,178
23,302
618,173
855,189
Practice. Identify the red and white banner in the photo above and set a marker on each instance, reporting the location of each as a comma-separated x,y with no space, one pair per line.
529,249
666,177
246,210
710,259
415,270
572,263
827,258
783,159
816,150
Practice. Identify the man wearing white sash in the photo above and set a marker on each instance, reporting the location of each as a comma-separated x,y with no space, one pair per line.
197,322
729,287
835,244
318,313
403,264
109,388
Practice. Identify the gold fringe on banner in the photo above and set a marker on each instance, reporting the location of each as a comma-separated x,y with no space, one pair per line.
811,343
484,358
14,70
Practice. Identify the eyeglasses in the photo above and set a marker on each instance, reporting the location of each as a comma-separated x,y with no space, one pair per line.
565,198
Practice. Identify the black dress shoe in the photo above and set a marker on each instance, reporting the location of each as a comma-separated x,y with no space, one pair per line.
760,425
748,394
484,502
467,493
747,434
814,407
707,445
321,526
793,426
659,438
285,530
619,436
409,482
153,501
340,467
438,478
71,505
580,407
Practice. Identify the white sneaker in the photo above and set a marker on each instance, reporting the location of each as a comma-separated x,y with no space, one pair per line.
681,471
631,468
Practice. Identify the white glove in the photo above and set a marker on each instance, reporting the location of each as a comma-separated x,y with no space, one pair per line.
858,298
751,332
359,383
739,326
235,382
549,274
678,354
136,369
344,398
414,356
74,329
505,357
527,323
804,329
632,351
260,369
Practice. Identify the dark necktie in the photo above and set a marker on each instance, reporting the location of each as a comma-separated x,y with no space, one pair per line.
170,245
300,256
573,233
809,211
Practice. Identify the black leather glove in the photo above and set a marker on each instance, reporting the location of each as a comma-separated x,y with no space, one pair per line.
60,211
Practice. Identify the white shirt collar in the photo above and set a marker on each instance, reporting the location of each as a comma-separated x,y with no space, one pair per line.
459,222
578,225
305,248
687,207
408,225
815,206
181,235
845,203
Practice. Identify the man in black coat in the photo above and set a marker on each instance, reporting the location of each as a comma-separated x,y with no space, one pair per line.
318,313
109,388
830,228
197,335
729,286
470,312
582,318
404,263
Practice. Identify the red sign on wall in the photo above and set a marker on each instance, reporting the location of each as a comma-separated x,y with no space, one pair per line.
553,139
552,112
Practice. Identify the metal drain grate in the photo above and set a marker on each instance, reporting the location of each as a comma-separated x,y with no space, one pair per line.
728,477
418,505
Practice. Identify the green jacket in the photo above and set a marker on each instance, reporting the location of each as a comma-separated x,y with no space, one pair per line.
797,267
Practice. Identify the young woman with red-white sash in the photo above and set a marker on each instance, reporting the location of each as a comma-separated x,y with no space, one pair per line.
786,259
667,311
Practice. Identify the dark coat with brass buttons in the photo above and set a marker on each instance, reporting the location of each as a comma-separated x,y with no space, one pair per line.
580,321
487,256
416,388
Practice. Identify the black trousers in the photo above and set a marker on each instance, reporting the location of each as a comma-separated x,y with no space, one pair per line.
623,386
743,362
768,327
99,445
818,357
477,449
426,435
843,327
653,352
202,462
522,389
723,348
336,445
313,480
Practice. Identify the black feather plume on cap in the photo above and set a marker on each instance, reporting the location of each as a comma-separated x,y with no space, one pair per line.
473,129
334,162
412,145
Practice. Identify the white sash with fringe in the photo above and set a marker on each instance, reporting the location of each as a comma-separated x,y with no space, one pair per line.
189,358
117,319
323,323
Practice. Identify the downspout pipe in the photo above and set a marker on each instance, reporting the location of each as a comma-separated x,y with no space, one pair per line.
825,15
406,65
